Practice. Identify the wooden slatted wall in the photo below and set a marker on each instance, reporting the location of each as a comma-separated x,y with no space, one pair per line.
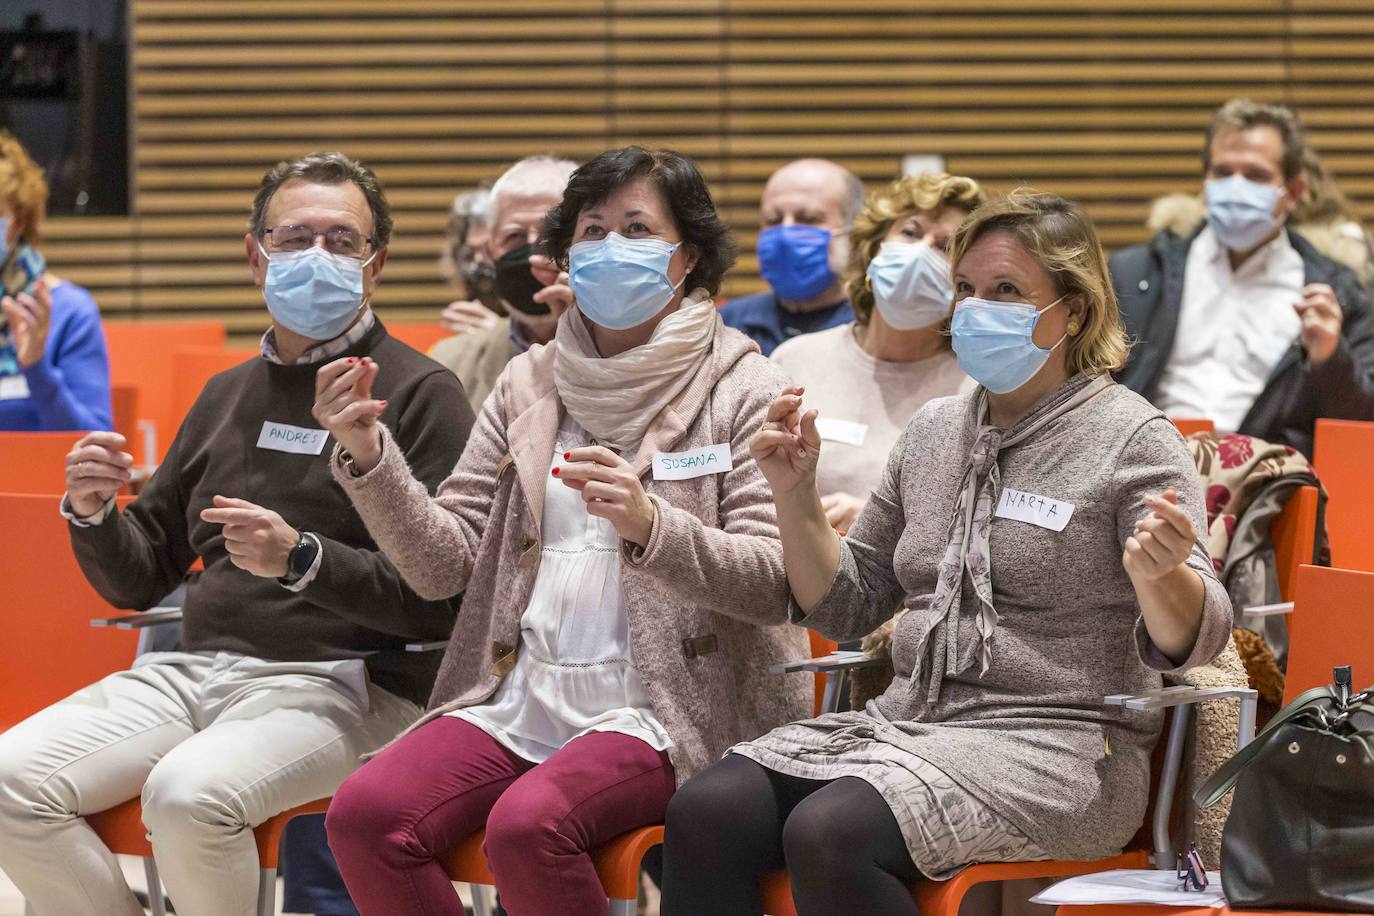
1102,100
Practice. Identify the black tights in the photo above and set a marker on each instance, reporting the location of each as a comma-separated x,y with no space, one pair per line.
737,821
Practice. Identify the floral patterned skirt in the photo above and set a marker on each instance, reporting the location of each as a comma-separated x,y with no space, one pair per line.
945,827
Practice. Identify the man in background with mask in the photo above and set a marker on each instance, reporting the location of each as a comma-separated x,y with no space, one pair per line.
1246,323
293,661
526,282
807,210
464,264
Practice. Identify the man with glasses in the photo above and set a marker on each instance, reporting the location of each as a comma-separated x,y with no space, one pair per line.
293,661
527,283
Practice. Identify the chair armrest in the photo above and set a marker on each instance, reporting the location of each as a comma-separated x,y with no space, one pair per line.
834,662
433,646
1183,697
140,620
1268,610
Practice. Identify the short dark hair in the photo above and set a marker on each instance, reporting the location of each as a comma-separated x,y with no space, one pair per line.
1244,114
679,181
324,168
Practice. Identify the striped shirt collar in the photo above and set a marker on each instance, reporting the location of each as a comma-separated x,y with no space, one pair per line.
325,350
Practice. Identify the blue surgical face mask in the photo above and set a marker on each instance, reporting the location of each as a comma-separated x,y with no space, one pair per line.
795,260
313,293
1241,212
620,283
993,342
911,285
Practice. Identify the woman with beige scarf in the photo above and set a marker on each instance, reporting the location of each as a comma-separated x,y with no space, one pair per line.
616,547
1042,534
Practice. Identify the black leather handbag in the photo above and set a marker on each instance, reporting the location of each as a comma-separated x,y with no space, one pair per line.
1301,830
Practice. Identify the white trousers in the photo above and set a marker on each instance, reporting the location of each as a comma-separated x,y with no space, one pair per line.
216,743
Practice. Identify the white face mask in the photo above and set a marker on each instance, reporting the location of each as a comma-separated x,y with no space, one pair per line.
911,285
1241,212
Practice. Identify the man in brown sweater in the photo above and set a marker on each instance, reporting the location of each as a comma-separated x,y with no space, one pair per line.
292,663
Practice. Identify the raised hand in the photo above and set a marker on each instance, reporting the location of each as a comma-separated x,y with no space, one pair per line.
344,405
787,446
1321,321
258,540
30,317
556,294
1161,541
610,489
464,317
97,466
842,510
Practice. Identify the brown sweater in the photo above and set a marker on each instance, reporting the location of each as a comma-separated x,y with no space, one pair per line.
357,606
707,599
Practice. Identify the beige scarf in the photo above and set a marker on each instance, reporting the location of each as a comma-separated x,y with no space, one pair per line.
615,398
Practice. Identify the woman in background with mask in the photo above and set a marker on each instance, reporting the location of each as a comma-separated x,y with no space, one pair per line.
54,372
617,552
1042,531
868,377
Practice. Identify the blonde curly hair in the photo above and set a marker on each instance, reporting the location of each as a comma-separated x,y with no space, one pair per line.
924,193
22,187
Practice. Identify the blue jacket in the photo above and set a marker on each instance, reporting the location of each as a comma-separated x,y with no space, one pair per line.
69,388
762,318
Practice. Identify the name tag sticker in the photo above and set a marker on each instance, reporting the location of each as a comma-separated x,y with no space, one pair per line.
843,431
698,462
281,437
1037,510
14,388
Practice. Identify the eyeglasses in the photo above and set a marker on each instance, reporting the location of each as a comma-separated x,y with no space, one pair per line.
1191,875
340,240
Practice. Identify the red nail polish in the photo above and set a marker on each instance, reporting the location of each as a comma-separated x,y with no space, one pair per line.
555,472
567,456
351,360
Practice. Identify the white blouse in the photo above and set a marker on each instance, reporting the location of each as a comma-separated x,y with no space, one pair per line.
574,673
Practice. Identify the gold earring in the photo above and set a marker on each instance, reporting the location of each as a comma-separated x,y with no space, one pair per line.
1073,328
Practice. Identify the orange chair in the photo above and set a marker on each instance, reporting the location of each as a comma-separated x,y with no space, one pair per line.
192,367
141,357
420,335
617,865
50,649
37,463
1340,453
618,861
1330,628
124,403
121,830
1189,425
1294,533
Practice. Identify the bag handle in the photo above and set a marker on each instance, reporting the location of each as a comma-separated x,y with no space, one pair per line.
1224,779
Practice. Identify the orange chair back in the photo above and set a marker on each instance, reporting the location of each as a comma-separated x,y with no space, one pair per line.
1340,453
124,401
141,356
820,646
1189,425
1294,532
420,335
50,648
1332,625
36,463
192,368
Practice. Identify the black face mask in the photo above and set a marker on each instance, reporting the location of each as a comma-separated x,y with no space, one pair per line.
515,283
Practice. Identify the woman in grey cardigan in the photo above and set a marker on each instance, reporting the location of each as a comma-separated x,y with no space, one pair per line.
1041,533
